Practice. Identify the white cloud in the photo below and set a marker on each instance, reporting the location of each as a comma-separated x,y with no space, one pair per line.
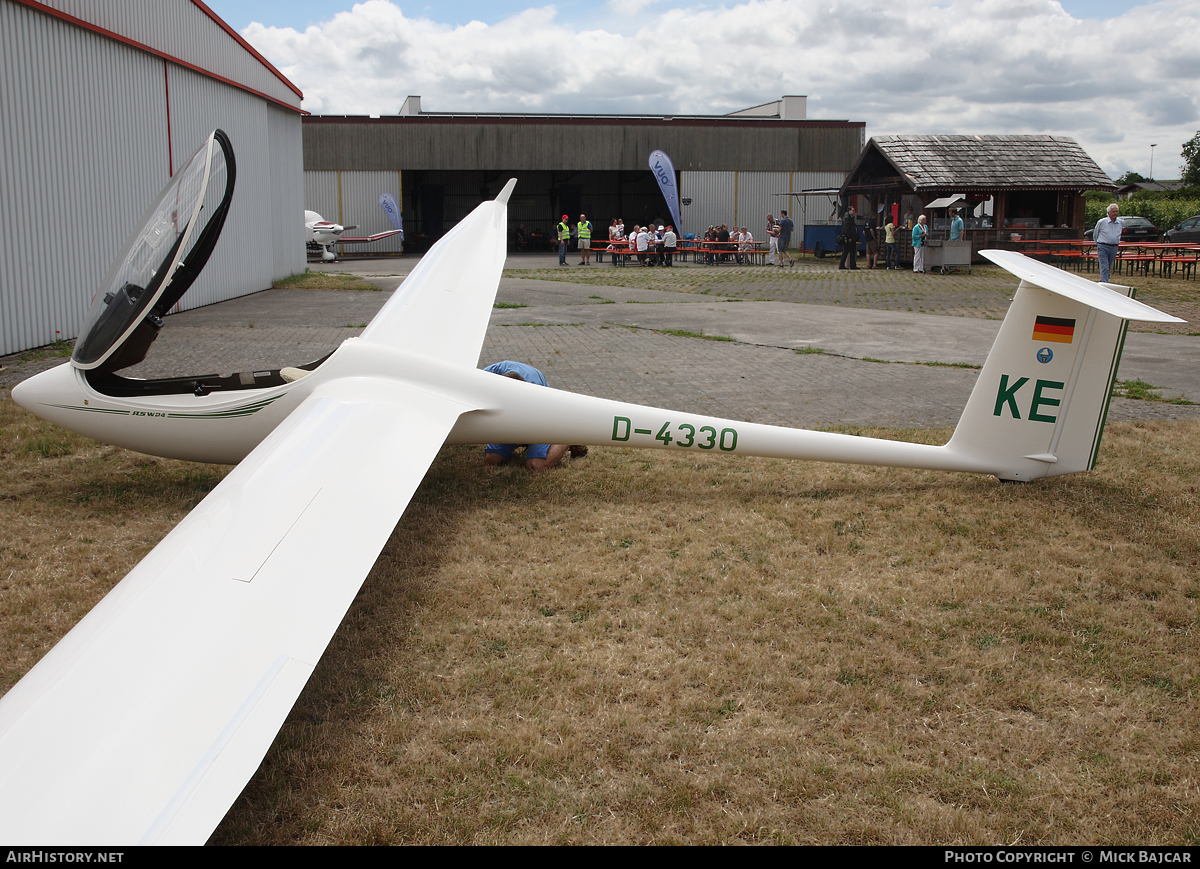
961,66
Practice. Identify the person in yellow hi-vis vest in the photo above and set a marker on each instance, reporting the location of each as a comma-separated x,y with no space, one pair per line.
564,236
584,230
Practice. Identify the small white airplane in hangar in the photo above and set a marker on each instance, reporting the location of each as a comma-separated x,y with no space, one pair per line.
146,720
320,234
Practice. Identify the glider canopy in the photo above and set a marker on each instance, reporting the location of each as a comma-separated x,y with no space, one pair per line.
160,261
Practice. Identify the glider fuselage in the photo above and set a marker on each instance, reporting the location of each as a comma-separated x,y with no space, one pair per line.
223,427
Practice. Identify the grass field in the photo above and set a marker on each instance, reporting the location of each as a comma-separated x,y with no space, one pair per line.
671,648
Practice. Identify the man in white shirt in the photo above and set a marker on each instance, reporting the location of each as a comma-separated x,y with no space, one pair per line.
1107,236
643,244
670,241
746,243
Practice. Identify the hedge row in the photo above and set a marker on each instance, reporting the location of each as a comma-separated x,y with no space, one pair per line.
1163,213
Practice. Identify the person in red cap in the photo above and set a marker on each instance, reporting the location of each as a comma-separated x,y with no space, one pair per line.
564,236
670,241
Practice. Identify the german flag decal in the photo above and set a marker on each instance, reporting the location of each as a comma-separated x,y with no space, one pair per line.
1055,329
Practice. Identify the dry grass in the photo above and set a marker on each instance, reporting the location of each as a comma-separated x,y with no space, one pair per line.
77,516
310,280
664,647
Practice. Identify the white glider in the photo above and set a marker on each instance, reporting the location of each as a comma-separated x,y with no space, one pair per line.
145,722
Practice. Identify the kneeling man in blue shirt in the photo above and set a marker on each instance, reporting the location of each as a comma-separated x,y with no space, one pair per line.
538,457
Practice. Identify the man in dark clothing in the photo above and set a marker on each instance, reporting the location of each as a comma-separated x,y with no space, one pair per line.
785,238
849,239
872,240
723,241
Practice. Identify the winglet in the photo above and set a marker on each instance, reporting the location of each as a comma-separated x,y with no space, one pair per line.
507,191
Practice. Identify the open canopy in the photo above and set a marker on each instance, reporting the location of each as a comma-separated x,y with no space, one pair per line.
160,260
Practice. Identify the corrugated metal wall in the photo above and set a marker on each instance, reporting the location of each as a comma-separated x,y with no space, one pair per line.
353,198
746,198
67,197
441,143
184,31
83,151
269,184
285,146
712,200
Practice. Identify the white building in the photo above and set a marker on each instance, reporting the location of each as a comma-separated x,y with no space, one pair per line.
102,101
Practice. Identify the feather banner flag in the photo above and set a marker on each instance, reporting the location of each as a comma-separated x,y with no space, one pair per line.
664,171
388,204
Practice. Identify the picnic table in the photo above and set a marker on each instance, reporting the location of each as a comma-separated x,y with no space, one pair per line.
1148,257
708,252
1162,256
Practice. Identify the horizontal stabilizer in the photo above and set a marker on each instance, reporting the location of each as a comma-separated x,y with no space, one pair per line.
1039,405
1077,288
366,239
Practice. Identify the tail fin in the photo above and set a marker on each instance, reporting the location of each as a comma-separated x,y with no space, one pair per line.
1039,405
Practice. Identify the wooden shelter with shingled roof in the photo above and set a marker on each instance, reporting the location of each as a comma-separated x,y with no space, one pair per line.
1036,184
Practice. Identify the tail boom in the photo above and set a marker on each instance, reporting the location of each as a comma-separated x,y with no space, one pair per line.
514,412
1037,409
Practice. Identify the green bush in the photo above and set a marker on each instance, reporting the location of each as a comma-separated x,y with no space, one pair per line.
1164,212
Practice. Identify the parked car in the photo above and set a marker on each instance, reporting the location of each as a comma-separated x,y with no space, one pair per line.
1188,231
1136,229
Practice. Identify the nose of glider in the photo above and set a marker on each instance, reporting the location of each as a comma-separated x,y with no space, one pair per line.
47,392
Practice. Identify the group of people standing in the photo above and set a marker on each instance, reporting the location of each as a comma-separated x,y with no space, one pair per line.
848,235
848,239
779,239
657,245
583,231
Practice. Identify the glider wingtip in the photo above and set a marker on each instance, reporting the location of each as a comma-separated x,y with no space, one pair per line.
507,191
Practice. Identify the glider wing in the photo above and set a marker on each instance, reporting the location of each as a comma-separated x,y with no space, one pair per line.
145,722
442,309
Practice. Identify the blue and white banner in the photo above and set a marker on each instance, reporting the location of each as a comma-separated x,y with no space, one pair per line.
388,204
664,171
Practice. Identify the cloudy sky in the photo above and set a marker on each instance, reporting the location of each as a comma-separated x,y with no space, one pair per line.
1116,76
